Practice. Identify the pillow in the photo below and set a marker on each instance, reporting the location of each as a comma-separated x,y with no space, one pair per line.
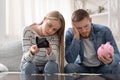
10,54
3,68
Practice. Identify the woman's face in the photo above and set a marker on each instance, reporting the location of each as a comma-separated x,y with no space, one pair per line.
50,27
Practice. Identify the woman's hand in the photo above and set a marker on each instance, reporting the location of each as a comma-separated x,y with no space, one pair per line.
49,49
34,49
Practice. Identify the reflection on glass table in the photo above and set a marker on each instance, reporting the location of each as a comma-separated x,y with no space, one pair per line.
10,76
76,76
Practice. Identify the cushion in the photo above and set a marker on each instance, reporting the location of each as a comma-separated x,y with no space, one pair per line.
10,54
3,68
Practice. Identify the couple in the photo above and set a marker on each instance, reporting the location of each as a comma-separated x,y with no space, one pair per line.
81,44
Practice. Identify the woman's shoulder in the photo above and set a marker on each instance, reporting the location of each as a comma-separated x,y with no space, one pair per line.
28,29
53,37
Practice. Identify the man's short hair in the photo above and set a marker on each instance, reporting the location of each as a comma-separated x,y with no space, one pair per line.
79,15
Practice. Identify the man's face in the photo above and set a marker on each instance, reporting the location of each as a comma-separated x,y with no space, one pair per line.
83,27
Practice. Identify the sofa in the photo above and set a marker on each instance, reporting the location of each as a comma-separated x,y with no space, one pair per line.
11,54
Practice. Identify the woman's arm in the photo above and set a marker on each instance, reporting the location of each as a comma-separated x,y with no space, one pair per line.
26,45
54,45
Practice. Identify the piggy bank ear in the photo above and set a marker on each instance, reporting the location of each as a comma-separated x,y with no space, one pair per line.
108,43
100,50
102,46
109,48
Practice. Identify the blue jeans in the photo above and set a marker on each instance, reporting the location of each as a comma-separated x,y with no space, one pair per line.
104,69
49,68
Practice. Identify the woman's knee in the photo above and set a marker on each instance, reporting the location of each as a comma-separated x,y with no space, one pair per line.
51,67
28,68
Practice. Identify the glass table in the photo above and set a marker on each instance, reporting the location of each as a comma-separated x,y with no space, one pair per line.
10,76
17,76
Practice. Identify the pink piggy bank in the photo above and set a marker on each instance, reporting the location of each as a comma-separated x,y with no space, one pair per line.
105,50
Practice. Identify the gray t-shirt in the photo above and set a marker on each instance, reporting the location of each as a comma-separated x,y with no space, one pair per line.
90,55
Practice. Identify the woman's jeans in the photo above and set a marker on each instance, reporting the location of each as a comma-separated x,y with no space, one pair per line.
31,71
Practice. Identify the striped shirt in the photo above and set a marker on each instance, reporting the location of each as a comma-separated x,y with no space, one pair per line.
29,39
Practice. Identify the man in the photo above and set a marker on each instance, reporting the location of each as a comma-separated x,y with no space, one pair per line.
82,42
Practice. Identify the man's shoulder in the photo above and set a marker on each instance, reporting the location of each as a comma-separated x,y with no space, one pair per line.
69,29
69,32
99,27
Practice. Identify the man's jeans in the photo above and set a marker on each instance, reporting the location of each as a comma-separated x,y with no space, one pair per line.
76,68
49,68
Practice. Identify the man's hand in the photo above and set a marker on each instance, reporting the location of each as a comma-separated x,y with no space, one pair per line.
76,32
106,59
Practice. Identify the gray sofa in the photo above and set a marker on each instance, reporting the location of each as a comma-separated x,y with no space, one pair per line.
10,54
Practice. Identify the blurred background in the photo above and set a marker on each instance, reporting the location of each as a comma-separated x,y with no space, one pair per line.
16,14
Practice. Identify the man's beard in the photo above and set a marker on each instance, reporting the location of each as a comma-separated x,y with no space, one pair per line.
85,36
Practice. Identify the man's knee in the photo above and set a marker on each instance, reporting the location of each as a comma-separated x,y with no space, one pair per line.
116,70
69,68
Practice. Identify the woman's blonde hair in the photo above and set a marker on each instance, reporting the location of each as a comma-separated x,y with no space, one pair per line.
55,15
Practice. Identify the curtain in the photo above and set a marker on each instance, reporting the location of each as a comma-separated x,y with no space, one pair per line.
115,18
21,13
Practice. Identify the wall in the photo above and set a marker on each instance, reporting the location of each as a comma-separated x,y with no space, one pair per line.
2,17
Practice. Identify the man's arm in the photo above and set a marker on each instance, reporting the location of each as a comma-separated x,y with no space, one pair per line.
72,46
109,37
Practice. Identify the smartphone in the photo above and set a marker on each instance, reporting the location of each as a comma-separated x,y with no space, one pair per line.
42,42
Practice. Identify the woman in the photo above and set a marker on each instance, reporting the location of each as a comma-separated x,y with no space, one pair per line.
37,60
